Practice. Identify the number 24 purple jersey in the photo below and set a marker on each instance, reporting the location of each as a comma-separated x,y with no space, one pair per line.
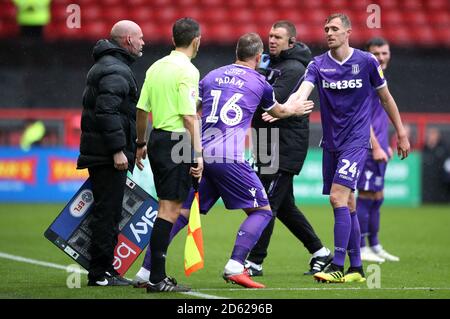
345,90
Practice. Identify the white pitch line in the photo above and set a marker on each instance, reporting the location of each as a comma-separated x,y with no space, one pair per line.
322,288
39,263
62,267
201,295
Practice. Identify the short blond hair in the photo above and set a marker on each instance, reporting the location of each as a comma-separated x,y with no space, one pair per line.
344,18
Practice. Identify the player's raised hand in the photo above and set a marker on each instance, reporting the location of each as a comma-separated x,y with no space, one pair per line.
141,153
379,155
403,146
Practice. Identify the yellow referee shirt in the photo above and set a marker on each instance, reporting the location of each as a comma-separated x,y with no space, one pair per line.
170,91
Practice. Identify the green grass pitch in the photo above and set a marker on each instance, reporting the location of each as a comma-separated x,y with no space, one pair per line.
420,236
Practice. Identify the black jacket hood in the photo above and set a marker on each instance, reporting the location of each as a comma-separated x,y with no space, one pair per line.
299,52
110,47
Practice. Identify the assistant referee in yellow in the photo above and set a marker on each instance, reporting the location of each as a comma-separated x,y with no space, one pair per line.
170,93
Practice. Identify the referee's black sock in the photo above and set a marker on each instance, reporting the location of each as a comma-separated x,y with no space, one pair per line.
159,242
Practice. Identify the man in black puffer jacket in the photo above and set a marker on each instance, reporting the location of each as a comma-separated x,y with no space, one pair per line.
288,61
107,146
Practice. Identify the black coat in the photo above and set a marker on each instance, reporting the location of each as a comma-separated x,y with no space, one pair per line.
108,121
285,74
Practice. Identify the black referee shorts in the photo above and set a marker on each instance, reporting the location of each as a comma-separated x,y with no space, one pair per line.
172,179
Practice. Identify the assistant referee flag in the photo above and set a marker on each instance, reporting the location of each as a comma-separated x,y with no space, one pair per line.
193,250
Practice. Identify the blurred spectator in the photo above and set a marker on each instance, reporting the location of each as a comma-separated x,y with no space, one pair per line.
32,17
33,134
436,187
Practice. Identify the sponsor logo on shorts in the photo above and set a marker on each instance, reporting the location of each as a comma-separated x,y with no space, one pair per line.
348,178
378,181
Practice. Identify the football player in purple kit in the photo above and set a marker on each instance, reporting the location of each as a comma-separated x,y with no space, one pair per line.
345,78
229,97
371,183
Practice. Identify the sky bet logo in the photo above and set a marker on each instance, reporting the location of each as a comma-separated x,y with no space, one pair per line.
142,227
342,85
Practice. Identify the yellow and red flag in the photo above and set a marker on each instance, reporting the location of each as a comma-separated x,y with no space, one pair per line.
193,250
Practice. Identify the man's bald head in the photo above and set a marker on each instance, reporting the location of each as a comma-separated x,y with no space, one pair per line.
129,36
124,28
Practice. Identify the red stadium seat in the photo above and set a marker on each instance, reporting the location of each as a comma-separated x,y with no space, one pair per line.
142,14
412,4
336,5
295,16
191,12
212,3
438,4
61,31
312,5
8,11
96,30
166,15
400,36
441,18
288,4
316,18
91,13
392,18
8,29
360,5
214,15
151,31
267,17
235,4
112,14
186,3
415,18
442,36
372,33
108,3
222,33
137,3
388,4
424,36
242,16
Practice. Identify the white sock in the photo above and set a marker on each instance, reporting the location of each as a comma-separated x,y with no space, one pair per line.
376,248
253,265
234,267
322,252
143,273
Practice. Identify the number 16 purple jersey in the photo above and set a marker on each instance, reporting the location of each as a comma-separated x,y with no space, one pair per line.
345,89
230,96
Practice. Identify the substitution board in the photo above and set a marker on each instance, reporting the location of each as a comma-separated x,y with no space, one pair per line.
70,230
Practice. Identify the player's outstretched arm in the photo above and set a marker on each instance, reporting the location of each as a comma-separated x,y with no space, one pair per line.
287,109
303,92
296,100
391,108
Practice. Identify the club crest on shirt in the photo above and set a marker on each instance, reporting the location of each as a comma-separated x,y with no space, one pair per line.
355,69
380,72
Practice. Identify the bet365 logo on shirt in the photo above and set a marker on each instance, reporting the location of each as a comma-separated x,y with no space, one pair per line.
342,85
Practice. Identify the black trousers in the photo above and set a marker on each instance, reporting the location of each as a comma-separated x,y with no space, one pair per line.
280,190
108,187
